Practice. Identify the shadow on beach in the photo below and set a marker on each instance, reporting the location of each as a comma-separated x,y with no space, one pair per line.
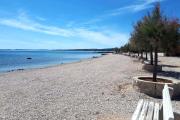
171,66
172,74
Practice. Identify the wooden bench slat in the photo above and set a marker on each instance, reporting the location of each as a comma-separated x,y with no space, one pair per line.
144,111
167,106
138,110
150,111
156,111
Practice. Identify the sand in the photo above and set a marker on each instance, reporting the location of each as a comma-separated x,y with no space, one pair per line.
93,89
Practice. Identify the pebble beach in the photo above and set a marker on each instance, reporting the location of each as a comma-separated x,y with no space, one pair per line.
93,89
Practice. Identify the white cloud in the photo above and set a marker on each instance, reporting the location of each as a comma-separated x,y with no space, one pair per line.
112,38
139,6
40,18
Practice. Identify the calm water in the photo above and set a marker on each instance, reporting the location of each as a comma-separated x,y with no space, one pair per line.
17,59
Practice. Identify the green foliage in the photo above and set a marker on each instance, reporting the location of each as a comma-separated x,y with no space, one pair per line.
155,30
171,36
116,50
125,48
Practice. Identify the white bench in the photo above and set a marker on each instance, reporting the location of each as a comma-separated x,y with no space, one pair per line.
148,110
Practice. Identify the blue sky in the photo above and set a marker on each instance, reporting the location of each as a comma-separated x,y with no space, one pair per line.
62,24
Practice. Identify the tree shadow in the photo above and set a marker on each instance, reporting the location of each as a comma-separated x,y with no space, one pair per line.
177,98
172,74
171,66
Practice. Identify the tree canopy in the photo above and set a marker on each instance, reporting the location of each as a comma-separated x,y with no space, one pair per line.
155,30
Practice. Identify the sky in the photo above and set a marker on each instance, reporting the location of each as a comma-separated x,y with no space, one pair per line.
73,24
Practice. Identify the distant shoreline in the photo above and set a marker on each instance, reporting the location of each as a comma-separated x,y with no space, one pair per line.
18,60
105,49
49,66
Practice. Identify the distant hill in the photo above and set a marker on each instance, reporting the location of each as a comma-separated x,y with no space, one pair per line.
105,50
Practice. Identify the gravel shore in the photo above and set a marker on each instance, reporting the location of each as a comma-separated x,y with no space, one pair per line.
93,89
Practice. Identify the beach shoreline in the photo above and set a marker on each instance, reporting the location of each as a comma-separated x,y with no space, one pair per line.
49,66
99,89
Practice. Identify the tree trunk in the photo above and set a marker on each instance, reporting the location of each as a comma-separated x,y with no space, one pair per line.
141,54
155,64
151,55
146,56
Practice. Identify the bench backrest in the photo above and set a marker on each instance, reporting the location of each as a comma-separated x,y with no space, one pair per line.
167,106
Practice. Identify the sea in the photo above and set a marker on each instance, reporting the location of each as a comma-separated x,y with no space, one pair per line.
11,60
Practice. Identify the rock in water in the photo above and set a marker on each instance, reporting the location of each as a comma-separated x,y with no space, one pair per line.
29,58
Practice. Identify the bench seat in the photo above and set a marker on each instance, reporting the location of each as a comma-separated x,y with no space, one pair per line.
148,110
